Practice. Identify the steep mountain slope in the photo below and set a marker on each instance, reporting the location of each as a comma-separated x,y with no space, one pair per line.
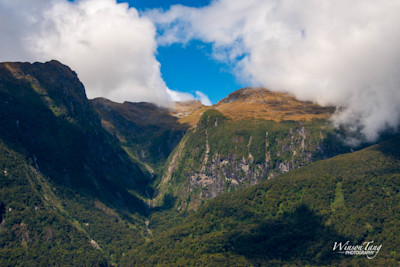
294,219
45,110
75,169
260,135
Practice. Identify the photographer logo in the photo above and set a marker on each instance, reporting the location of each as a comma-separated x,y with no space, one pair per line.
367,248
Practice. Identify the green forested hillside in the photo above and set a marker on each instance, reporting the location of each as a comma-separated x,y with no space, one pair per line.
293,219
36,229
69,193
45,113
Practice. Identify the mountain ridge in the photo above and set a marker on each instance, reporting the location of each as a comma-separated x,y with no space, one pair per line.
254,103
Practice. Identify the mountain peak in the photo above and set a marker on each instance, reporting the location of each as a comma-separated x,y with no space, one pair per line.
260,103
244,94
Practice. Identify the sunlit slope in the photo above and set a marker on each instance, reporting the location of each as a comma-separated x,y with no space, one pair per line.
255,103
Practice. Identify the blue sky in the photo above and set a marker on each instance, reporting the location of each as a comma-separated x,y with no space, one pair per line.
190,67
164,4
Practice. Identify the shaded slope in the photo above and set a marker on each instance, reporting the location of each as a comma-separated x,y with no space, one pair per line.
147,132
45,112
80,171
295,218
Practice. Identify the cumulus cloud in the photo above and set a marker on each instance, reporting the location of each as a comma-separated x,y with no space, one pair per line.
109,45
342,53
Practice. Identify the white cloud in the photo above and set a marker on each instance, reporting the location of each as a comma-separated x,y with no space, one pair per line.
203,98
343,53
179,96
109,45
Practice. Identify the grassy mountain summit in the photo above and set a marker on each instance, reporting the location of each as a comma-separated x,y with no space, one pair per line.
254,103
260,103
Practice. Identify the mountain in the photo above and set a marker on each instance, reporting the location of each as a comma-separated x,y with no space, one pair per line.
258,179
46,113
251,135
65,182
294,219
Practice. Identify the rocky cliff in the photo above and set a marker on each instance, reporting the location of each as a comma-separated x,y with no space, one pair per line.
252,135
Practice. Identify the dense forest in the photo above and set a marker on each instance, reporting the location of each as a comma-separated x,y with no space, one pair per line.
293,219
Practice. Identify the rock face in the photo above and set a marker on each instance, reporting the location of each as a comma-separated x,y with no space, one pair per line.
223,153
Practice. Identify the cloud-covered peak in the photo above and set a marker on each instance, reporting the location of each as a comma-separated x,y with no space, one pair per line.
332,52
